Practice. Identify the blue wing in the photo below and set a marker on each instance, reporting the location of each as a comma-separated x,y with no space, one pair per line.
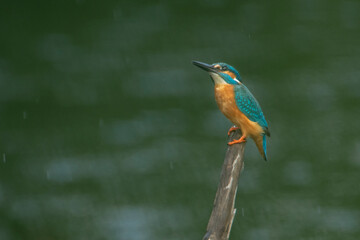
248,105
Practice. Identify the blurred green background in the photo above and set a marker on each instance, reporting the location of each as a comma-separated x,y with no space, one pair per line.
109,132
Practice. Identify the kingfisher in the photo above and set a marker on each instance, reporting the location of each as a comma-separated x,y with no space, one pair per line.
238,104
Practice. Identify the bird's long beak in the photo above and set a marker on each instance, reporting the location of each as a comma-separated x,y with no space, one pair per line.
205,66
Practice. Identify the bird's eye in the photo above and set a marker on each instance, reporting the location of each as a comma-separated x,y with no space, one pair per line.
224,68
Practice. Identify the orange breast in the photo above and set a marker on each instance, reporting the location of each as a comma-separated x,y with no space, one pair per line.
225,98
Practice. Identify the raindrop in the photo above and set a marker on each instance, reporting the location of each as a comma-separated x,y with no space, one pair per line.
4,158
171,165
242,212
24,114
319,210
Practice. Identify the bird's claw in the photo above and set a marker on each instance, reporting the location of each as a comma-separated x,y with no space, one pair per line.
232,129
240,140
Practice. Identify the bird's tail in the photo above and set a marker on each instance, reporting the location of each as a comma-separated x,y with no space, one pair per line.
261,145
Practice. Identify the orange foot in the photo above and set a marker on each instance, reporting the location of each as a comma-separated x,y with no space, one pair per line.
240,140
232,129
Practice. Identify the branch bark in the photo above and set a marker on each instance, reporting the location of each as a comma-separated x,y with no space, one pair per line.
222,215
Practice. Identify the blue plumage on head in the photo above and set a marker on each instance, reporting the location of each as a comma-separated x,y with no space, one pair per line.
227,67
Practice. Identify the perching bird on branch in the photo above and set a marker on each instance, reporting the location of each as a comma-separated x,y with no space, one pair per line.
238,104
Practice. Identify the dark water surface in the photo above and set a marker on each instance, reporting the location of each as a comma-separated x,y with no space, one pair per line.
109,132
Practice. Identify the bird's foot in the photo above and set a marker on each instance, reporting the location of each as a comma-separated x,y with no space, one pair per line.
240,140
232,129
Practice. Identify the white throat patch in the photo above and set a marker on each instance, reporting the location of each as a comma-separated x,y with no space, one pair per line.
217,79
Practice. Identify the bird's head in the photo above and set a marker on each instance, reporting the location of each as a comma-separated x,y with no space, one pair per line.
221,73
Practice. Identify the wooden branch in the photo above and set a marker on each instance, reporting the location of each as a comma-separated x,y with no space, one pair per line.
223,212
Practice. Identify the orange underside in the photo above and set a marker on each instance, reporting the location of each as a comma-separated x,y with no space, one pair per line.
225,98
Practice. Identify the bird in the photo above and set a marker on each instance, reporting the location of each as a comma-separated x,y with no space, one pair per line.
238,104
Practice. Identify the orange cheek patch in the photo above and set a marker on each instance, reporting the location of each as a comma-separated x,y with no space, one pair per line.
232,75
